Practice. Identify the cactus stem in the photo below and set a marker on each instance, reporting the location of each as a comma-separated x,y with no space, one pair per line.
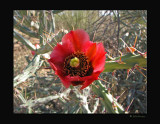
129,59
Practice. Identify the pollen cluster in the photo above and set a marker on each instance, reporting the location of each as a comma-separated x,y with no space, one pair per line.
82,69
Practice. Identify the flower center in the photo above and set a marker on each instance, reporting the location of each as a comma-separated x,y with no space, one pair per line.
77,64
74,62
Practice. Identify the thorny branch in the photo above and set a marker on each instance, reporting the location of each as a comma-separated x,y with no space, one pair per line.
32,103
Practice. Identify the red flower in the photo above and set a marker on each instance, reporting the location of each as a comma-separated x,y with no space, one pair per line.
78,61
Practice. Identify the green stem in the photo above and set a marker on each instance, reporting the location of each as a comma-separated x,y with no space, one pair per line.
129,59
108,99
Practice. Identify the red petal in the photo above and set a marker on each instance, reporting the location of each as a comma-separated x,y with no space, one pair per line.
58,72
89,81
99,59
78,38
59,53
52,65
91,52
85,81
65,82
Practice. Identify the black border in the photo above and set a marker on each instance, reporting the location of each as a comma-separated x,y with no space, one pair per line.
71,117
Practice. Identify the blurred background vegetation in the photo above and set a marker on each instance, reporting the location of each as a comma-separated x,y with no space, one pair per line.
106,26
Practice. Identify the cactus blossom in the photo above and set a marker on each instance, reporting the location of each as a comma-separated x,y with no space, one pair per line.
77,61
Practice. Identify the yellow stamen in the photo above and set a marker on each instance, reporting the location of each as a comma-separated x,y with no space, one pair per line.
74,62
